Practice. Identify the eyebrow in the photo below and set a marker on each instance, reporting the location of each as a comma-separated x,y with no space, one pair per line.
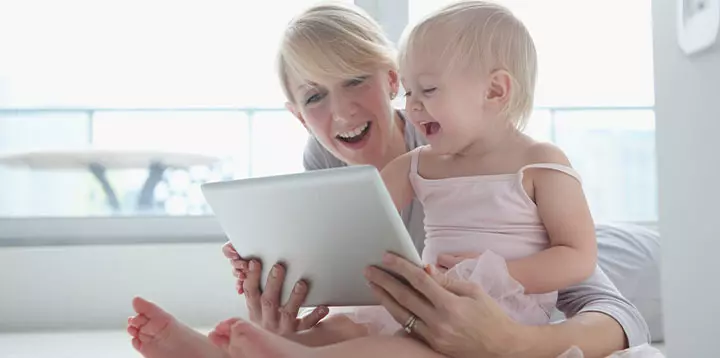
307,85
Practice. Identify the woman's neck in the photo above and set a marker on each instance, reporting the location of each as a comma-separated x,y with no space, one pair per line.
398,146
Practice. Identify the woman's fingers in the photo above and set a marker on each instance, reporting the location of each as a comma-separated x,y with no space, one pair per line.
270,298
239,264
417,278
399,313
239,274
402,294
459,287
229,251
313,318
251,288
289,312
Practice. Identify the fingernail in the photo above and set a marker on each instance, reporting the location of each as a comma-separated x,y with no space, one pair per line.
322,311
274,271
367,272
299,287
253,265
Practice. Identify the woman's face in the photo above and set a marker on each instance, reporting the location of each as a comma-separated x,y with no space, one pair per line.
352,118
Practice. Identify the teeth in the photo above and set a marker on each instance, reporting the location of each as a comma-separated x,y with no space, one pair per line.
355,132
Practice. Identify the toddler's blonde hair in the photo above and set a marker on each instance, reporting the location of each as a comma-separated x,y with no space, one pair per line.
332,41
480,36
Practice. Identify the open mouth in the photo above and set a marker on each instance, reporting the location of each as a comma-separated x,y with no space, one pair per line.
354,135
431,128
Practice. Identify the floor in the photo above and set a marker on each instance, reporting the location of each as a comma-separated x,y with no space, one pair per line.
96,344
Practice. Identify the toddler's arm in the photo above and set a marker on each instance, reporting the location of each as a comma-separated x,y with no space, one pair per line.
397,180
572,255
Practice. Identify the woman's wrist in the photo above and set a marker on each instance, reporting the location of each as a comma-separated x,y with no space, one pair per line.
596,334
525,342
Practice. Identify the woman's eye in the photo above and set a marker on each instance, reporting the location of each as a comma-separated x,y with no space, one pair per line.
429,90
356,81
314,98
407,94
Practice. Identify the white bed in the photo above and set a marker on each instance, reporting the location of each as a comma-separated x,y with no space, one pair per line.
92,344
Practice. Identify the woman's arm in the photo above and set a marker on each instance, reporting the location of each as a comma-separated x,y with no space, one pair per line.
595,334
598,295
463,321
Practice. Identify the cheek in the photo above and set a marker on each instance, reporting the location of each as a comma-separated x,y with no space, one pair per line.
319,121
373,99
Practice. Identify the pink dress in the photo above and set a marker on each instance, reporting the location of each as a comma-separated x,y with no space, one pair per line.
488,214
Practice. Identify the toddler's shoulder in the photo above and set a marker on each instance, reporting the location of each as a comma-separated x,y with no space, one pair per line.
543,152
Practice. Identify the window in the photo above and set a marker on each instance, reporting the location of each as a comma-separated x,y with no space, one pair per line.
196,82
122,83
594,96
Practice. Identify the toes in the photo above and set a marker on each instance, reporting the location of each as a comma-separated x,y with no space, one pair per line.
133,331
219,339
147,308
243,330
136,343
138,321
150,320
225,326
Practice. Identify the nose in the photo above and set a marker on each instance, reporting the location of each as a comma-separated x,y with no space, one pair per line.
413,105
343,106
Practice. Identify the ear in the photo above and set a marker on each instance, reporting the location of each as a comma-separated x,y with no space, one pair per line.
291,107
499,87
394,81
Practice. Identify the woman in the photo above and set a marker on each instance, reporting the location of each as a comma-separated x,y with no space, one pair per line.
339,75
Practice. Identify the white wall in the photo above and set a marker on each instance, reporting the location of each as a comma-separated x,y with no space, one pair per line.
688,146
90,287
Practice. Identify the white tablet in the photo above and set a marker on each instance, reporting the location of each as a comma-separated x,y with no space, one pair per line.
327,226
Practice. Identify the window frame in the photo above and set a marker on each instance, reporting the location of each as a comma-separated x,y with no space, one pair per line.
131,230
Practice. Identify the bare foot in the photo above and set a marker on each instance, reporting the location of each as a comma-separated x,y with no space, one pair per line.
157,334
243,340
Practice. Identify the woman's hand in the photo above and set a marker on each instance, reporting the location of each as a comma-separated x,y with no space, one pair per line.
456,318
239,266
264,306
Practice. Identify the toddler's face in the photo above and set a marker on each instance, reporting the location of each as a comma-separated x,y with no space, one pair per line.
446,104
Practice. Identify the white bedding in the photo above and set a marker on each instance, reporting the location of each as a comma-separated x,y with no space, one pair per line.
92,344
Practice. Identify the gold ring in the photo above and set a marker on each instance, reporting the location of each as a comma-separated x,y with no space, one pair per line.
410,324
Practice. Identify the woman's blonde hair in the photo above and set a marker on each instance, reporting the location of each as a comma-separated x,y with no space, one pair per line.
480,36
332,41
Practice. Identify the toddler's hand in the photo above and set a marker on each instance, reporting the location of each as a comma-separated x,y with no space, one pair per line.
447,261
239,266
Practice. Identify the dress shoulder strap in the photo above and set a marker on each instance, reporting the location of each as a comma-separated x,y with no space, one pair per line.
415,159
553,166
